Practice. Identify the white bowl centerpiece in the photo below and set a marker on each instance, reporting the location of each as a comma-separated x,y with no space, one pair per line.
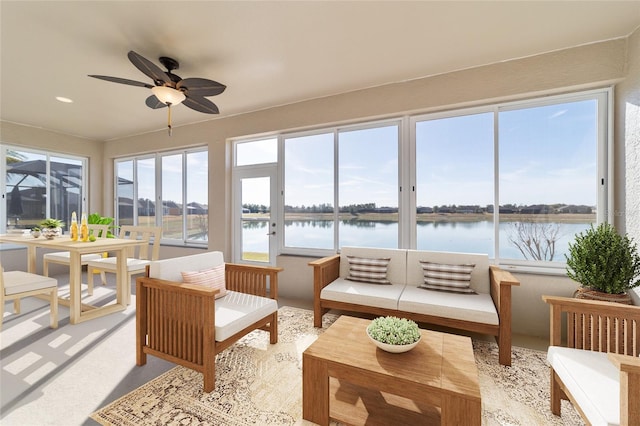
393,334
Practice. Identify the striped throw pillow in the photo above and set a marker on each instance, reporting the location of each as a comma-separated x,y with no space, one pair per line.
213,278
368,270
443,277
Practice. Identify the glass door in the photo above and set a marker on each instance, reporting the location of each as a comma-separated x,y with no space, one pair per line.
255,221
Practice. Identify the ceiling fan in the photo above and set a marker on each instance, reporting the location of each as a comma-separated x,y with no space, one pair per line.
169,89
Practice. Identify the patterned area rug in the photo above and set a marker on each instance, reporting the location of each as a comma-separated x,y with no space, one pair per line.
259,383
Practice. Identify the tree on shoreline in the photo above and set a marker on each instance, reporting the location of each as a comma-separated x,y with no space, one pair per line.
535,240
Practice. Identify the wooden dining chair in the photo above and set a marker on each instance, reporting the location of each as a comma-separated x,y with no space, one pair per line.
63,257
137,257
14,285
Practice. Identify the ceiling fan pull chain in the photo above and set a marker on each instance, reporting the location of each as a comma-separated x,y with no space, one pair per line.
169,121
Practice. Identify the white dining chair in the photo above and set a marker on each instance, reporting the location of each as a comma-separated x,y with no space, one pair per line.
137,257
14,285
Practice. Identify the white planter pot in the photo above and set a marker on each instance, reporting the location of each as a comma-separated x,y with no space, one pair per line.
51,233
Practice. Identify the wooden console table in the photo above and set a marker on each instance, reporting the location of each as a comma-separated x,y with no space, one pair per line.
345,377
78,311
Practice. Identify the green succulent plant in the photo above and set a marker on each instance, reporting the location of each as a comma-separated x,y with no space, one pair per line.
51,223
603,260
394,331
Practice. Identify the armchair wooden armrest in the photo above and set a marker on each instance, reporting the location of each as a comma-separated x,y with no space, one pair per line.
501,283
629,367
252,279
325,271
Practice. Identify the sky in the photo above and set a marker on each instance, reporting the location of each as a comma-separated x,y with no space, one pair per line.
546,155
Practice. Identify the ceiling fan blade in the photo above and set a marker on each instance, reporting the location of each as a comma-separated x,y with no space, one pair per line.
201,104
149,68
122,81
201,86
153,102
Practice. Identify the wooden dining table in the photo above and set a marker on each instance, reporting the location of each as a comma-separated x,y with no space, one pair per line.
78,311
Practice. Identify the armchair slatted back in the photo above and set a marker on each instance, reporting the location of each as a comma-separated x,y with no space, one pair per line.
595,325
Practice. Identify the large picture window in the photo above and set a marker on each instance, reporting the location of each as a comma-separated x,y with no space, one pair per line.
513,180
309,191
548,178
454,183
364,186
38,186
168,190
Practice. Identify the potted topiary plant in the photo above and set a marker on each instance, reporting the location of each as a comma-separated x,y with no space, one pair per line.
51,228
394,334
605,263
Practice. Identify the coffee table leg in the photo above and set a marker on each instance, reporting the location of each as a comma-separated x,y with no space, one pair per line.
458,411
315,391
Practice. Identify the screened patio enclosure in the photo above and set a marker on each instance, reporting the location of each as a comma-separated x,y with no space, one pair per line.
41,188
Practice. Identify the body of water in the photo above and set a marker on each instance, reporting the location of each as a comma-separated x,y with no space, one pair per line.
471,237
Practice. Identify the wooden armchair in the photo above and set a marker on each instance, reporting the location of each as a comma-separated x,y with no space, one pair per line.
602,340
187,325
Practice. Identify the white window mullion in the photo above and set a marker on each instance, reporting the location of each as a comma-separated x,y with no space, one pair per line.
185,208
336,191
159,203
409,204
496,186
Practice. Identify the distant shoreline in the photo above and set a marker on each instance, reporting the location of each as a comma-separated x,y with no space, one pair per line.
438,217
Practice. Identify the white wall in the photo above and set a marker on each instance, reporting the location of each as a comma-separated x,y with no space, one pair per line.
627,128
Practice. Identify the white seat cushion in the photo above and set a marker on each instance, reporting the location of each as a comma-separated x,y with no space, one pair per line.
236,311
466,307
64,257
109,264
375,295
20,282
593,381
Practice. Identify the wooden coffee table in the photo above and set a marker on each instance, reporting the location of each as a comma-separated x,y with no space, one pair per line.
346,378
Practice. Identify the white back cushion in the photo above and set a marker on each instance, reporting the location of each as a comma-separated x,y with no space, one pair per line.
479,275
396,271
171,269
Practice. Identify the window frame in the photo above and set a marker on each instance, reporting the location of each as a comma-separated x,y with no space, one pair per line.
400,122
4,148
407,168
158,218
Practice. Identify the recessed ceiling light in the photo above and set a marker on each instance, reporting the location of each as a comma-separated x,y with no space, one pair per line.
63,99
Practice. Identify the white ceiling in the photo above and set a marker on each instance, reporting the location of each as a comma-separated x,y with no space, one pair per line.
268,53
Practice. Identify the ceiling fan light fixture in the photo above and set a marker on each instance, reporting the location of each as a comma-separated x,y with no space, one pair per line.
168,95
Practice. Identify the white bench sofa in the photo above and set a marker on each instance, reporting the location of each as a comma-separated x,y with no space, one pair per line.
186,323
487,312
597,368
